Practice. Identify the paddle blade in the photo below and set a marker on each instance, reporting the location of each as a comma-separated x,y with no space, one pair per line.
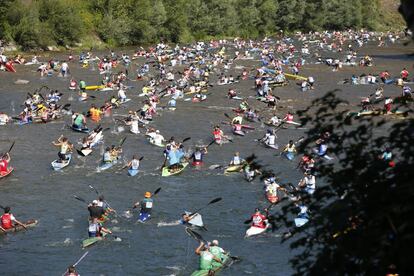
11,147
141,158
186,139
80,152
227,115
79,198
215,200
157,191
248,221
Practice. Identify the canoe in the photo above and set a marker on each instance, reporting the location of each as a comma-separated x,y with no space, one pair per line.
57,165
29,224
239,132
167,172
234,168
254,231
132,172
295,77
272,198
78,129
94,87
90,241
4,174
107,165
226,261
143,217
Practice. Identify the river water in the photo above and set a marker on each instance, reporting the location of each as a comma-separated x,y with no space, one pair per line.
153,248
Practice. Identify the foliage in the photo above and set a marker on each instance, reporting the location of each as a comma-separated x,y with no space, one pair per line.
360,218
36,23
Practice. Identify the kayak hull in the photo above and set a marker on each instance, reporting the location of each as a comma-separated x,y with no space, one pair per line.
4,174
143,217
216,267
106,166
132,172
254,231
29,224
82,130
91,241
234,168
166,172
57,165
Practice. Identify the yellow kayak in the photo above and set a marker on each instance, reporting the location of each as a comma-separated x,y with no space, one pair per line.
294,77
234,168
94,87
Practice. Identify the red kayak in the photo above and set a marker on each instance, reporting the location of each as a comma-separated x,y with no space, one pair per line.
4,174
272,198
9,67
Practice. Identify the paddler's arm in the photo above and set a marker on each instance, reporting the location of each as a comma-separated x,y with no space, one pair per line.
106,230
217,259
20,223
198,249
2,229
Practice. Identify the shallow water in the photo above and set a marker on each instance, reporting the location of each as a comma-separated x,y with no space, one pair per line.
35,191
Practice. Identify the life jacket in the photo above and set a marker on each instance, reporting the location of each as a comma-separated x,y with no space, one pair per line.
3,165
259,221
289,118
6,221
95,114
217,135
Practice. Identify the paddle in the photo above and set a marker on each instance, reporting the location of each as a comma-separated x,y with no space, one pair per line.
80,199
211,202
122,142
11,147
212,142
78,261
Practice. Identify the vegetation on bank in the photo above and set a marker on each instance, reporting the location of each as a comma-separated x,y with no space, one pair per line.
34,24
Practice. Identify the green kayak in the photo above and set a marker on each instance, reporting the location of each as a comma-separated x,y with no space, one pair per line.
227,260
90,241
167,172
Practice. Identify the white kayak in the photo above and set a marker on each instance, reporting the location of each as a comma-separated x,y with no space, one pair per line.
254,231
58,164
197,220
299,222
274,146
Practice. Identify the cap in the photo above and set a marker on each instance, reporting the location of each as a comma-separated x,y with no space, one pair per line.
95,202
215,242
147,194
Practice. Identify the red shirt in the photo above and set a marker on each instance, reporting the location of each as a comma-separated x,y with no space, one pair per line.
259,220
6,221
3,165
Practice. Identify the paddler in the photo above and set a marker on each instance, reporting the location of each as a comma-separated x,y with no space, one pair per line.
71,271
104,204
95,229
65,147
206,257
290,150
146,206
388,104
134,163
83,96
288,117
4,163
198,155
217,252
218,135
79,120
82,85
238,119
308,182
404,74
95,113
174,156
259,220
237,160
270,139
8,221
95,211
157,138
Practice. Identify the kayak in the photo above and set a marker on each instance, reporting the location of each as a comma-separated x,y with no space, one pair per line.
295,77
254,231
167,172
289,155
84,152
90,241
197,163
239,132
4,174
233,168
272,198
216,267
29,224
143,217
58,164
94,87
376,113
292,123
162,145
132,172
275,146
299,222
197,220
107,165
78,129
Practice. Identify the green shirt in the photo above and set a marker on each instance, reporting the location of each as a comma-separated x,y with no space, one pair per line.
206,260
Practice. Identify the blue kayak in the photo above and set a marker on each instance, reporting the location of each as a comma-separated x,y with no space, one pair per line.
289,155
79,129
143,217
132,172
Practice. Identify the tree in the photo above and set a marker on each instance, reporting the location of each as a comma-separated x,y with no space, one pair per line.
361,217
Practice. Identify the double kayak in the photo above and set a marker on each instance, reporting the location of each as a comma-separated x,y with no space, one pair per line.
92,240
168,172
60,164
216,267
4,174
106,165
29,224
